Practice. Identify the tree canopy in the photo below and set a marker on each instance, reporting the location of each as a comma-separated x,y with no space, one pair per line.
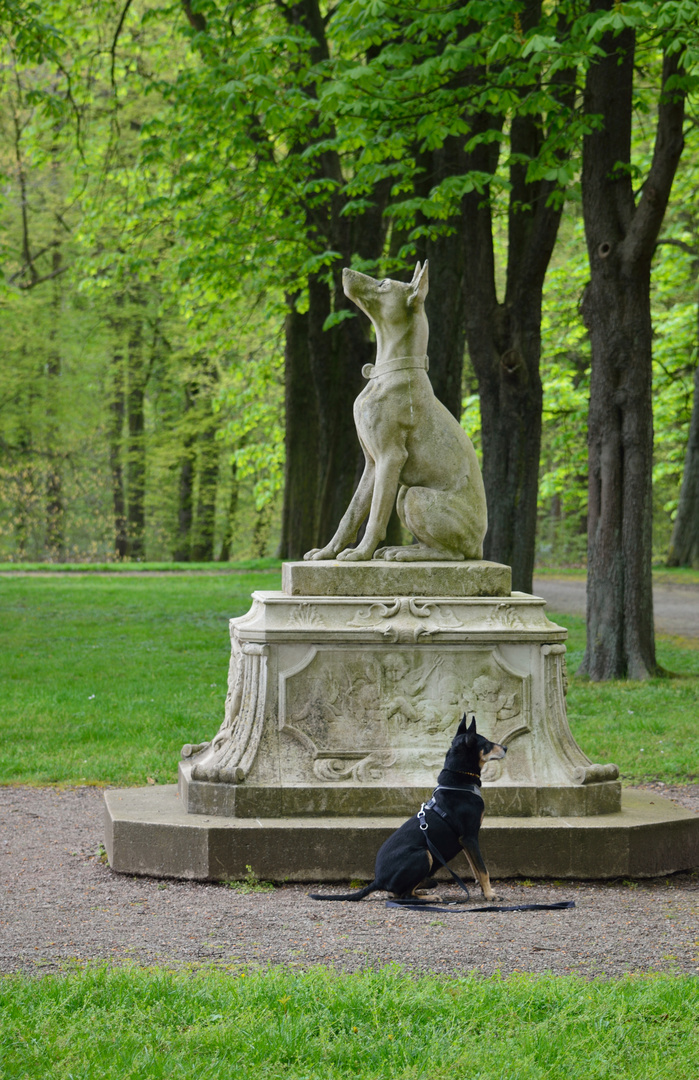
181,186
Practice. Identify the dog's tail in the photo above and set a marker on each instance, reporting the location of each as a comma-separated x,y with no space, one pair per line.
359,895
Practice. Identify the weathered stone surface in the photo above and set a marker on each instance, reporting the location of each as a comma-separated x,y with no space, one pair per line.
390,579
343,799
148,832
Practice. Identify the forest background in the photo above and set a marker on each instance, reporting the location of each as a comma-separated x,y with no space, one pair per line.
180,186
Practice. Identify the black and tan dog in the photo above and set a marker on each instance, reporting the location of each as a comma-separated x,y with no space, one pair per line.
453,817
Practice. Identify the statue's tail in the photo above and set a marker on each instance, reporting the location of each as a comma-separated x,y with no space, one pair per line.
370,888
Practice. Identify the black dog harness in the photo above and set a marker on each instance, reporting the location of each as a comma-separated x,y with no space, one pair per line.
433,805
423,905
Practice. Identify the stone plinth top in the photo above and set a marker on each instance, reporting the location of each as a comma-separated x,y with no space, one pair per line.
380,578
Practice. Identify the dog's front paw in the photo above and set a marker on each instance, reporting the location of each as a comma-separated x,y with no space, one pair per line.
493,898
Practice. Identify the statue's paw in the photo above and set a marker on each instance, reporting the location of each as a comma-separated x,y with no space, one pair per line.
388,554
320,553
357,554
403,554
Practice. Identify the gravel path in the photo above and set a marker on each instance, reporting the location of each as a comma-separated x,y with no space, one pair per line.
59,902
675,607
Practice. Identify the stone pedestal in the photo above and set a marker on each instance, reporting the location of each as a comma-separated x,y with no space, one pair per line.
346,704
339,712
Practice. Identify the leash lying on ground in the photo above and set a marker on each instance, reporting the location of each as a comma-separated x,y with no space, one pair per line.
453,909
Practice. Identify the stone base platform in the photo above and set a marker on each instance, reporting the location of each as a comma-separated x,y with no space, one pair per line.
149,832
391,579
370,800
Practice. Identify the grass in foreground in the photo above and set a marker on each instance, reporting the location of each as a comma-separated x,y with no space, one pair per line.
212,1025
105,678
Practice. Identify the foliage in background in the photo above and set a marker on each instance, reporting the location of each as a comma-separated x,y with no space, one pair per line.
132,423
147,234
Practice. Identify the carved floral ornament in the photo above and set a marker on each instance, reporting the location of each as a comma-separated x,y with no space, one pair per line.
406,619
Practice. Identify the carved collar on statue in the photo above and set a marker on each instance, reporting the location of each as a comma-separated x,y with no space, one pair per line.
399,363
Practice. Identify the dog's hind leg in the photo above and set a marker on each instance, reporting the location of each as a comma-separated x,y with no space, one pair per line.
480,873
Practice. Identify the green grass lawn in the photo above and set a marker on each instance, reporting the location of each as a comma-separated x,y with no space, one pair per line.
105,677
213,1025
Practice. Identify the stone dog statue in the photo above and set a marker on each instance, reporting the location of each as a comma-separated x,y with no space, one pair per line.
413,447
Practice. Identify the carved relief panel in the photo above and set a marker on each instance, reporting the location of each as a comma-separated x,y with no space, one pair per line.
389,714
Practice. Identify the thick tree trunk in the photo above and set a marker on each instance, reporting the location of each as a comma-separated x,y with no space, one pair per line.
300,508
620,457
333,357
504,345
445,303
336,358
684,546
616,309
504,341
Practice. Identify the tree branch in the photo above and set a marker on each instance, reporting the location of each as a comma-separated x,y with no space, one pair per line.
112,50
669,141
196,20
29,264
40,280
690,249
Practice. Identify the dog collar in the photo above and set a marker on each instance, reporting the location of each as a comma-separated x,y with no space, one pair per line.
399,363
463,772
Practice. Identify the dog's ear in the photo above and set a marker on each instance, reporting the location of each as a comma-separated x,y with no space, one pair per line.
461,730
472,728
419,286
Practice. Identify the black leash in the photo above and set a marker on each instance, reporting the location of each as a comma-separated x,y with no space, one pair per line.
454,909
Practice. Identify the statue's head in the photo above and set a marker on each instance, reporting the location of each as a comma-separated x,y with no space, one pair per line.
387,302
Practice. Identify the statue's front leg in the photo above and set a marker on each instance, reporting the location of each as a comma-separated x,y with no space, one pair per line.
385,487
354,516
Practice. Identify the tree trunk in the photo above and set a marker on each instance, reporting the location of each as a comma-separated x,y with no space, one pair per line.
684,546
301,472
445,303
504,341
55,507
229,533
336,358
205,521
185,502
117,411
616,309
136,461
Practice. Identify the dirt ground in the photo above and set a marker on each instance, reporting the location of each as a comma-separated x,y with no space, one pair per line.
60,903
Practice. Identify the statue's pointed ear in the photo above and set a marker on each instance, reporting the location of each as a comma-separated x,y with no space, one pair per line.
461,730
416,274
419,286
